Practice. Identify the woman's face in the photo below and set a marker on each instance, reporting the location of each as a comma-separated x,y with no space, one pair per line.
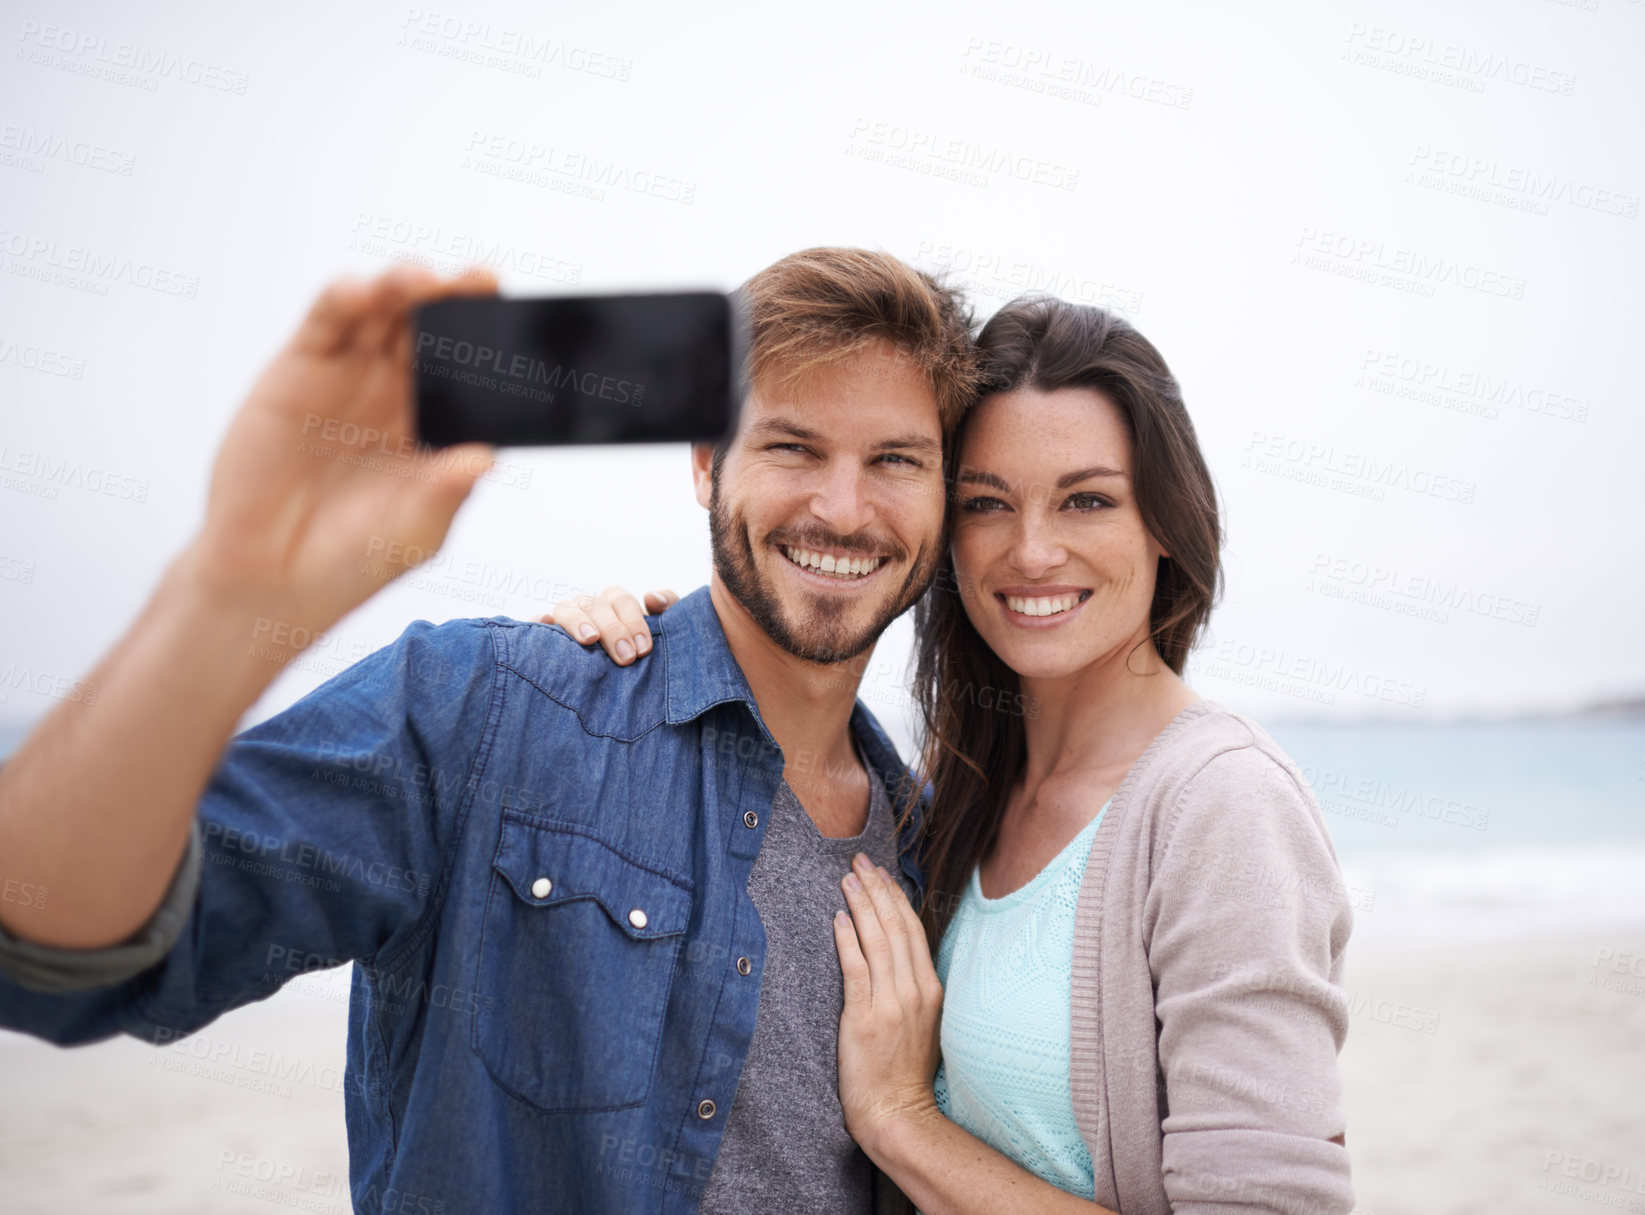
1054,564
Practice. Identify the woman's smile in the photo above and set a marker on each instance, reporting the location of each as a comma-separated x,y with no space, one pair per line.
1041,607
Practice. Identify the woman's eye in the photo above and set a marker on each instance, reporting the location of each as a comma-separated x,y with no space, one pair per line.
1087,501
981,504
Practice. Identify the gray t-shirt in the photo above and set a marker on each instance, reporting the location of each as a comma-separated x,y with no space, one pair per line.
785,1147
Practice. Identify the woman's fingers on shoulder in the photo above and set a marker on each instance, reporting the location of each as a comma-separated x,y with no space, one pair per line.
628,634
616,635
572,616
658,602
614,618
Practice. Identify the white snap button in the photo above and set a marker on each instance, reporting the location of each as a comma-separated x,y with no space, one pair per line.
637,918
540,888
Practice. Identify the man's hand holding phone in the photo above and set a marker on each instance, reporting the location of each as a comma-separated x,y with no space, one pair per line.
320,489
97,802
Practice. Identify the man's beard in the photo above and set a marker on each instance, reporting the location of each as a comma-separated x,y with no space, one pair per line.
824,637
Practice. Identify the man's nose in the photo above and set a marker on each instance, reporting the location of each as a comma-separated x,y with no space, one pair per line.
841,499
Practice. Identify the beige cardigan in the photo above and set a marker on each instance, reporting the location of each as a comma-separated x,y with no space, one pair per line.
1207,1007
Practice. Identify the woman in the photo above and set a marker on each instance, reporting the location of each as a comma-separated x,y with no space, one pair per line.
1138,914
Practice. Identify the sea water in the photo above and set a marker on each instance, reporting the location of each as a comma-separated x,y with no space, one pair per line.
1462,833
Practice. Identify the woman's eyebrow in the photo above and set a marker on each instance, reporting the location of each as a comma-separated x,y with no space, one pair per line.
977,476
1086,474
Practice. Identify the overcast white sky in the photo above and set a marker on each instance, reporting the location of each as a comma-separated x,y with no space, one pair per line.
1392,252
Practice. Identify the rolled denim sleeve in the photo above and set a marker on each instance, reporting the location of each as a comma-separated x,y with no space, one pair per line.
47,969
321,838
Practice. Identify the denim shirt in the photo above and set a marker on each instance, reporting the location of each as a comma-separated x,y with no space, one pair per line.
538,861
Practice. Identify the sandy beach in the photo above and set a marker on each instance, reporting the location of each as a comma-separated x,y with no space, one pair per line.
1497,1079
1494,1078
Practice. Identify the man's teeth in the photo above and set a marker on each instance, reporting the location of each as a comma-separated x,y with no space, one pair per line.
1042,607
839,567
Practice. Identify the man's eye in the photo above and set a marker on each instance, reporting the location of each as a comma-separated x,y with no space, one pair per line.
901,459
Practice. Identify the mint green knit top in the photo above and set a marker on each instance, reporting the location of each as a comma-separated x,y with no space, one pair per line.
1006,965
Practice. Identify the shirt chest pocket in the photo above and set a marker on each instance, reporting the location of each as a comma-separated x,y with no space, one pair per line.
576,959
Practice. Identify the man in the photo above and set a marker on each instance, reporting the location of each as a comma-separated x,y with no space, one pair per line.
591,905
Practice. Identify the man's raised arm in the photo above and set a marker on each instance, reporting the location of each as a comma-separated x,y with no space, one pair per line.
317,478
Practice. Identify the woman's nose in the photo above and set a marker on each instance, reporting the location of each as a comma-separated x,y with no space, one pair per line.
1035,550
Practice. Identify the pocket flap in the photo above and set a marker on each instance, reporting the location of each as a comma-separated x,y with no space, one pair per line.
549,863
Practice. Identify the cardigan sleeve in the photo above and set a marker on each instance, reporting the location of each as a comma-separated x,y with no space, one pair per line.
1246,921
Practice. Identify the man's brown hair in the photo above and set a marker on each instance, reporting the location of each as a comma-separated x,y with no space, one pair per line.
821,306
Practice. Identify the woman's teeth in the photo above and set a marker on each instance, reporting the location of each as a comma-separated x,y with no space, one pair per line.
838,567
1042,607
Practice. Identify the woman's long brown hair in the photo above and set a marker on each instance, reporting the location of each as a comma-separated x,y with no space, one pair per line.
970,701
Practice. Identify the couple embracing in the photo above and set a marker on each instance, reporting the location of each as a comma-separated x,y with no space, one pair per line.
719,948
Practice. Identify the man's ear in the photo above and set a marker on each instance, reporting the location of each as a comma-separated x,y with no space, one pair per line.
702,472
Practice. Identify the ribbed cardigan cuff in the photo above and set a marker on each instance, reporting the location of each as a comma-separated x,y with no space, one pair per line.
1244,1172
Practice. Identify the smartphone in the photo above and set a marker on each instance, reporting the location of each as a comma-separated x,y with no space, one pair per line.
556,370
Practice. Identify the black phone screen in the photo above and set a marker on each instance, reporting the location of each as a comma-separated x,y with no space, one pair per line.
577,369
